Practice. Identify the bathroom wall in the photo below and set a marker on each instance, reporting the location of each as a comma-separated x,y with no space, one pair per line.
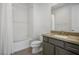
30,20
39,20
42,19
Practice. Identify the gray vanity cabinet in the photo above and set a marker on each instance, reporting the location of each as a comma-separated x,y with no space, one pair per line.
53,46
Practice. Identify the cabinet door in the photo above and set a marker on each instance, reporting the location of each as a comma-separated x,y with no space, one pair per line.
51,49
60,51
45,48
48,49
72,47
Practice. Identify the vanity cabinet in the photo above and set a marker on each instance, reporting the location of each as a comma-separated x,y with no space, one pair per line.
52,46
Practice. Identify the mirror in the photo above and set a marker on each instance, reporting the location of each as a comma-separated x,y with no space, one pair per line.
65,17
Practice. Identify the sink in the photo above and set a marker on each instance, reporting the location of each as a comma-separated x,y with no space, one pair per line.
61,36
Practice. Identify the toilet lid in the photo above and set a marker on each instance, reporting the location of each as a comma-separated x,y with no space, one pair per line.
36,42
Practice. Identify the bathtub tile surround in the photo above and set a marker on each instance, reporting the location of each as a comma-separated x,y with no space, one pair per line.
20,29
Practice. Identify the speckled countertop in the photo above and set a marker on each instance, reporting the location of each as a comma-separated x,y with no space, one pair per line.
70,38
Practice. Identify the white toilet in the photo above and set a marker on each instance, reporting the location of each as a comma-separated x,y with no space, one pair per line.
36,46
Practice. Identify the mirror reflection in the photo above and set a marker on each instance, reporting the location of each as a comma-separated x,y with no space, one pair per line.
65,17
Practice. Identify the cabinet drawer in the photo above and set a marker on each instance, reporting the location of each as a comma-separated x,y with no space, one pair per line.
72,47
60,51
57,42
46,39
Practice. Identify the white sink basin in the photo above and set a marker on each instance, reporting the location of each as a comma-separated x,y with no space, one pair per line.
61,36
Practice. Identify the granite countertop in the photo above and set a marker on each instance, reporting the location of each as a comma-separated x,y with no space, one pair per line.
68,38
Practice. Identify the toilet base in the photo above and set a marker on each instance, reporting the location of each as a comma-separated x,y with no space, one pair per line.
36,50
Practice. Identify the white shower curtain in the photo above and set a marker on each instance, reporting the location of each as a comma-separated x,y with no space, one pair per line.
6,29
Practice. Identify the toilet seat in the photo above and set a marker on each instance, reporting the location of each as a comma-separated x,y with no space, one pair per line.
36,42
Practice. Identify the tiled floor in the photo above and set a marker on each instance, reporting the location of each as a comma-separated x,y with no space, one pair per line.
27,51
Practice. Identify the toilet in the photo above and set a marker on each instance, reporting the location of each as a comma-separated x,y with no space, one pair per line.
36,46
